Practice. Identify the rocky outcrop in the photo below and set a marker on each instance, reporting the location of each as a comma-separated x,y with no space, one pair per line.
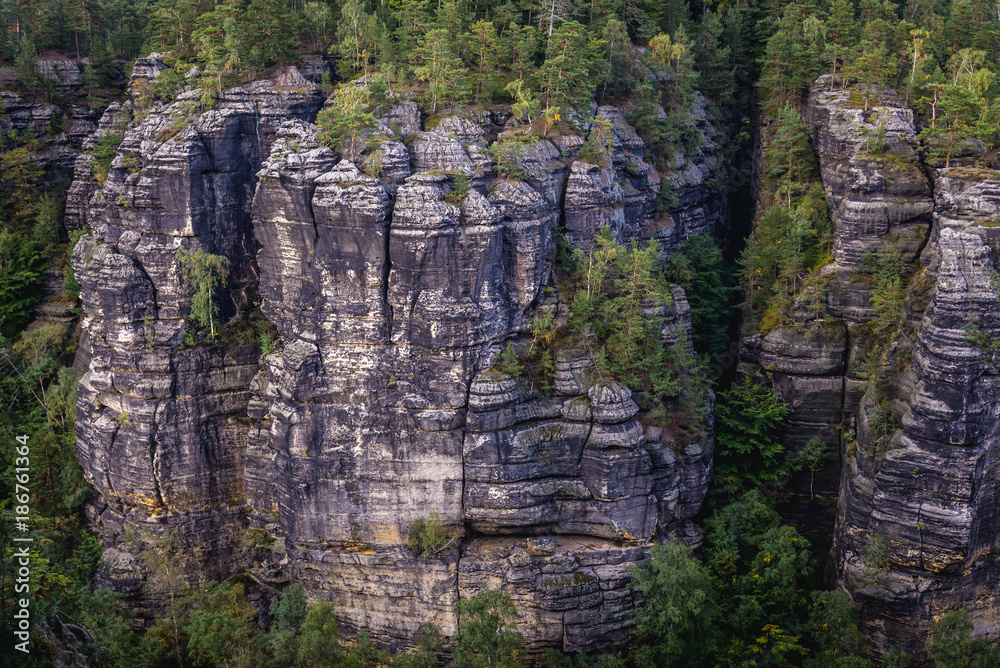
379,408
934,500
162,430
59,131
916,445
699,183
879,195
594,200
378,404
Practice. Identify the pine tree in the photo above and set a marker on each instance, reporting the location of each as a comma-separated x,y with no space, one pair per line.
486,637
99,70
565,75
790,161
872,67
792,58
414,19
956,120
711,57
524,44
347,123
320,19
26,65
841,35
441,69
487,54
171,23
618,77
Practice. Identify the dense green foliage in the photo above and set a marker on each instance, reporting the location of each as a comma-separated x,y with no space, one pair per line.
485,635
205,273
751,601
749,453
698,267
745,605
951,645
616,291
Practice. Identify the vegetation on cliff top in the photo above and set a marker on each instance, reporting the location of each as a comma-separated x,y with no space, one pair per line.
747,604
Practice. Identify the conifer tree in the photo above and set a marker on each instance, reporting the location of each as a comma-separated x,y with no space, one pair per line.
319,18
413,18
841,35
618,77
524,44
792,57
347,121
441,69
711,58
488,54
956,120
790,157
565,75
872,67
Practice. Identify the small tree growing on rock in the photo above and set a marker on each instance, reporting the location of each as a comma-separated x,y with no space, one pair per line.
485,638
205,272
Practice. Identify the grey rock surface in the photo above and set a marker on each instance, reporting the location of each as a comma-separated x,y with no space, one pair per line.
378,404
917,465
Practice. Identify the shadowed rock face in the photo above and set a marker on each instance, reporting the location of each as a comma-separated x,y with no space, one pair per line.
378,405
160,431
927,492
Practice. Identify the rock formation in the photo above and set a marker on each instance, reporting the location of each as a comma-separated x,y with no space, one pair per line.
917,485
378,406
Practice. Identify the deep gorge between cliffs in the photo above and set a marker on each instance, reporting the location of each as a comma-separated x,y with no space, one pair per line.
380,402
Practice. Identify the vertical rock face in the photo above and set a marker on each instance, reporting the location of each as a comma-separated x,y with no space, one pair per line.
878,200
378,406
935,499
160,435
919,510
878,196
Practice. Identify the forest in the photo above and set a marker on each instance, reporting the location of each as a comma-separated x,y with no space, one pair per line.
755,592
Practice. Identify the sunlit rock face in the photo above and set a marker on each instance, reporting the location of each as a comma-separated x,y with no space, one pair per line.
377,404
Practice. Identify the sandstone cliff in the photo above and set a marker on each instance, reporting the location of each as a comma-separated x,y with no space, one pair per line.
379,404
915,462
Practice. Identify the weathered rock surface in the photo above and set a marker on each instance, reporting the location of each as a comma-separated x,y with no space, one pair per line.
935,498
161,436
378,405
877,198
918,467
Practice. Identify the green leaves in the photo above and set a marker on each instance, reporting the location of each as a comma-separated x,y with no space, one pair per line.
698,268
21,267
679,614
485,638
205,272
347,122
441,69
749,421
428,537
565,76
